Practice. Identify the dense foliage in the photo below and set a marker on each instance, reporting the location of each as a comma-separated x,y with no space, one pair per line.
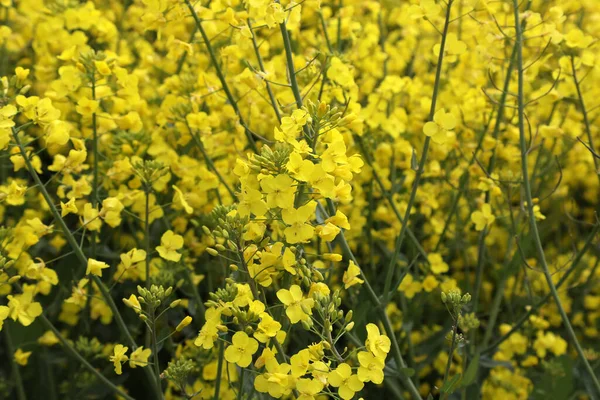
250,199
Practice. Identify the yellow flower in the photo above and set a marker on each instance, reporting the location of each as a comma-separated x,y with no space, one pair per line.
23,308
280,191
241,350
95,267
371,368
86,107
68,207
343,379
430,283
377,343
297,307
4,313
119,357
169,244
267,328
438,129
437,264
133,302
22,357
483,218
180,200
298,230
351,275
139,357
48,339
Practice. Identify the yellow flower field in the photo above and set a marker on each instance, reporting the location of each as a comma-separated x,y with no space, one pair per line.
310,199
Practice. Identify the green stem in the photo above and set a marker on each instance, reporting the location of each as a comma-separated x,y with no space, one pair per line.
586,120
75,354
198,142
387,325
218,70
527,187
15,367
289,57
155,354
219,371
77,249
413,194
450,354
388,195
262,69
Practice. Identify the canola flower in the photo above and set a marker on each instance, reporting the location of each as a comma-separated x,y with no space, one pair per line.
299,199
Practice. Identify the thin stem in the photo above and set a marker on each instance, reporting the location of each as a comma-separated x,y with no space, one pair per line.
75,354
586,120
15,367
527,187
78,252
198,142
219,370
155,354
413,194
262,69
450,354
290,64
224,85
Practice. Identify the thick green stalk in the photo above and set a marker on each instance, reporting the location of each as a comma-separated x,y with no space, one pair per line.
413,194
218,70
527,188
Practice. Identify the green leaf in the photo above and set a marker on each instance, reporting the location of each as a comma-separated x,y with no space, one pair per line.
471,372
451,384
408,372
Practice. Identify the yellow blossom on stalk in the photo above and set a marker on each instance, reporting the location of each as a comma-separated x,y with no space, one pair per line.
299,230
346,382
23,308
241,350
86,107
22,357
280,191
169,244
371,367
377,343
119,357
297,307
483,218
95,267
443,122
179,199
49,338
438,266
68,208
139,357
351,275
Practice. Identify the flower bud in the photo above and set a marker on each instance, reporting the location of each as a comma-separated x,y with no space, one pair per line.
184,322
